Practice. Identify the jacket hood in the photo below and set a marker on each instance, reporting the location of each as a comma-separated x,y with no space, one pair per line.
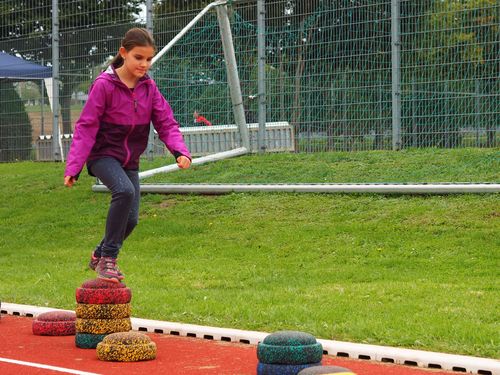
110,75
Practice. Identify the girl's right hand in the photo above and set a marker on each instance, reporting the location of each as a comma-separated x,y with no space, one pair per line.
69,181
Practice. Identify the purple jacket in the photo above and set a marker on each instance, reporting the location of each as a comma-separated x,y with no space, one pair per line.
115,123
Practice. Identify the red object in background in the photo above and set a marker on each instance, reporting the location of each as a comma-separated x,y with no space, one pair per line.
203,120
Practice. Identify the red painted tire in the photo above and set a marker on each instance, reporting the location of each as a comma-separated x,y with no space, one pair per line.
103,296
101,284
54,323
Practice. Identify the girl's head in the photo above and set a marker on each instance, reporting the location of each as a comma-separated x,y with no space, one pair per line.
136,52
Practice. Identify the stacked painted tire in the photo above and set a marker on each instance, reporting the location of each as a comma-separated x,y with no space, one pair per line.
287,353
102,308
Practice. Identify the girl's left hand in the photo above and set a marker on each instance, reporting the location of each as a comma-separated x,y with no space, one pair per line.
183,162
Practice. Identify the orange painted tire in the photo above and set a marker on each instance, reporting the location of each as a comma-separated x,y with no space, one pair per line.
103,311
102,326
126,347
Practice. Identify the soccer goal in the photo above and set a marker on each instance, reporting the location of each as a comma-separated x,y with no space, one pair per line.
198,73
197,70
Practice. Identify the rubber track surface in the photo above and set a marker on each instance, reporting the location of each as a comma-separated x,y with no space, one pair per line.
176,356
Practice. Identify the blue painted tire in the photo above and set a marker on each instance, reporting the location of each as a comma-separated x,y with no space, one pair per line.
275,369
326,370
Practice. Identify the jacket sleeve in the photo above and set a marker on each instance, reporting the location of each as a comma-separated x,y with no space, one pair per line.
86,129
167,126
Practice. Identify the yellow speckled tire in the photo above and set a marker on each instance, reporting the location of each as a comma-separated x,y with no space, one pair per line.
106,311
101,326
126,347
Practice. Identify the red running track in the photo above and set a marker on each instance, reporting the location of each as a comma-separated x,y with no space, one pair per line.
176,356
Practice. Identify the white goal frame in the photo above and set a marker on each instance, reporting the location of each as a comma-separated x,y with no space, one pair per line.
239,116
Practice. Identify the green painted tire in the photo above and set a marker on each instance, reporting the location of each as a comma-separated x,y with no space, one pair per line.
289,348
102,326
326,370
126,347
88,340
103,311
289,338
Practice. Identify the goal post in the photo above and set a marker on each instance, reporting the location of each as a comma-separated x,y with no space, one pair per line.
231,72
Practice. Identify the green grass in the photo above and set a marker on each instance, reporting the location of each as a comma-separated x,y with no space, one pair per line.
409,271
419,165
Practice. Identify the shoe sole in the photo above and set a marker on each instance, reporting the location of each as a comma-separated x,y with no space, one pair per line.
110,279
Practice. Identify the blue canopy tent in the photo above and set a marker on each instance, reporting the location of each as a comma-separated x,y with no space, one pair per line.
15,68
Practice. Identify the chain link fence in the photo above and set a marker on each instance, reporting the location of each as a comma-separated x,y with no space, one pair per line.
328,74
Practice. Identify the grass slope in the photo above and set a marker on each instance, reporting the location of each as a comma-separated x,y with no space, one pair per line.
410,271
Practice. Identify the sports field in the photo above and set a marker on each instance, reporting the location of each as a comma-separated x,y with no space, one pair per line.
409,271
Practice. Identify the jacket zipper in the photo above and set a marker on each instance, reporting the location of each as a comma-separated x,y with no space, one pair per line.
127,149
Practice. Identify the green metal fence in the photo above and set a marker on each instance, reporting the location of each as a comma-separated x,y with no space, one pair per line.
329,69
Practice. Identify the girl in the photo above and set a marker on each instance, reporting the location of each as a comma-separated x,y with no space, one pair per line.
111,134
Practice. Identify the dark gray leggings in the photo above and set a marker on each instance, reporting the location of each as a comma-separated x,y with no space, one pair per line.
123,213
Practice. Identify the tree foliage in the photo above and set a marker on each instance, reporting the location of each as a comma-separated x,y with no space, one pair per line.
15,127
89,32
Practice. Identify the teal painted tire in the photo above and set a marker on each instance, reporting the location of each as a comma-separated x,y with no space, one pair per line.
88,340
289,338
290,355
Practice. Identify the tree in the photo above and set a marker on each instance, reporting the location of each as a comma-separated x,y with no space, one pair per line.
90,32
464,51
15,126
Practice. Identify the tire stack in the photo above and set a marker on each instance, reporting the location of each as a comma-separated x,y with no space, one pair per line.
287,353
102,308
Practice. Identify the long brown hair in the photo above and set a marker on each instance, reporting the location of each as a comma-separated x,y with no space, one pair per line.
134,37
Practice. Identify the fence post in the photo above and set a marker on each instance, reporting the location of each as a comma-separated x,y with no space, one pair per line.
396,75
261,81
42,125
56,140
414,129
478,111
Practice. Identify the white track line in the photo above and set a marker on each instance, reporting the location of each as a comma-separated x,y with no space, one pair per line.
401,356
46,367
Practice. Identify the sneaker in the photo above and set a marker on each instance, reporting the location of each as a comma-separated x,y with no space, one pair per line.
108,270
94,261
